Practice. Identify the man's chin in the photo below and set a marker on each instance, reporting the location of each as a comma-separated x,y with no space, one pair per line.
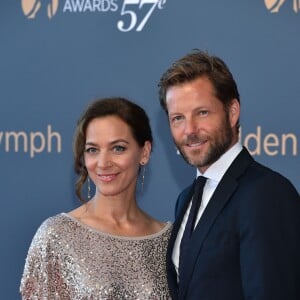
193,161
192,158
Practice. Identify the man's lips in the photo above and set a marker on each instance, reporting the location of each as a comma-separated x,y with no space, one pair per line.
195,144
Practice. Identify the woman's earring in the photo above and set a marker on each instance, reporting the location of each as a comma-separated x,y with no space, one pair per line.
89,188
143,175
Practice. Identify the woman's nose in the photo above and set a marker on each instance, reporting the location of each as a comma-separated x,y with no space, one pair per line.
104,160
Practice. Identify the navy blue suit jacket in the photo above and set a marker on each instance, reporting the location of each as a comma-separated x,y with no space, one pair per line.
246,245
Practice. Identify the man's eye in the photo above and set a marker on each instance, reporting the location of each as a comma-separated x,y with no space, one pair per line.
203,112
176,119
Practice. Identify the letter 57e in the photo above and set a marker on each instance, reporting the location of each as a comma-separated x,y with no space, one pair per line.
130,20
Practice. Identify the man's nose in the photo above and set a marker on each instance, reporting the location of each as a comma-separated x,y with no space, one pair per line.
190,126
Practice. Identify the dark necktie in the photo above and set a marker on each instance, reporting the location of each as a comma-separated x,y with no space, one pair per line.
189,227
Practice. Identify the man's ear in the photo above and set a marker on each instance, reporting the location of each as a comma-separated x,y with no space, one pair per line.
234,112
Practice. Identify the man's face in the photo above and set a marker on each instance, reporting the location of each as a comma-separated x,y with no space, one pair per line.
201,128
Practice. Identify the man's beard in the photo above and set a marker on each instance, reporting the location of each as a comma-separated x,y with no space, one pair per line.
219,144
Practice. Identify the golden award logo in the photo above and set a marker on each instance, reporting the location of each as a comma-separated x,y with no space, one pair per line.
274,5
32,7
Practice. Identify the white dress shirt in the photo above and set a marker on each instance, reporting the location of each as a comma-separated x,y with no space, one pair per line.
214,175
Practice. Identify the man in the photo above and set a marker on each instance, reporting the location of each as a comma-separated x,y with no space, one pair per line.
245,243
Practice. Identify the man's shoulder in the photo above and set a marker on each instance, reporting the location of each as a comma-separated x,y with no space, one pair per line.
185,192
259,179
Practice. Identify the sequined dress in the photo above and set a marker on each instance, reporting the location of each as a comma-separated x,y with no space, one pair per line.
70,260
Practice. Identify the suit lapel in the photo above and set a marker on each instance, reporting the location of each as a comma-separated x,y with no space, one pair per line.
183,202
221,196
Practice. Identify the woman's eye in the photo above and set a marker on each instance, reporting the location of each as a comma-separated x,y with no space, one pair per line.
91,150
119,148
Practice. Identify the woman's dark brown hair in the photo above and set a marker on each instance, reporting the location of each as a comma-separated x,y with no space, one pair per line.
132,114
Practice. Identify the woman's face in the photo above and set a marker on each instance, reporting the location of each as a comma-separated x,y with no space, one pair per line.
112,156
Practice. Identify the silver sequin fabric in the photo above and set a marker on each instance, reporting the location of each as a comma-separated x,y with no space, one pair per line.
70,260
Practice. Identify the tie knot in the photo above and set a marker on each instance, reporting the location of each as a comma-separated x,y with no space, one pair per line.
200,182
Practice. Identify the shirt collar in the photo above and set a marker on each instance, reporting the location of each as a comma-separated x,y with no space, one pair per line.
217,170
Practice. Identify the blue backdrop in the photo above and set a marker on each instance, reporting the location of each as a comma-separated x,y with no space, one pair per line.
58,55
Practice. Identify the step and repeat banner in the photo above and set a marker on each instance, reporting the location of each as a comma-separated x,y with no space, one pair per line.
58,55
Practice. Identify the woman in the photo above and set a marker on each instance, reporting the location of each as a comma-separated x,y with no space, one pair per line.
107,248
